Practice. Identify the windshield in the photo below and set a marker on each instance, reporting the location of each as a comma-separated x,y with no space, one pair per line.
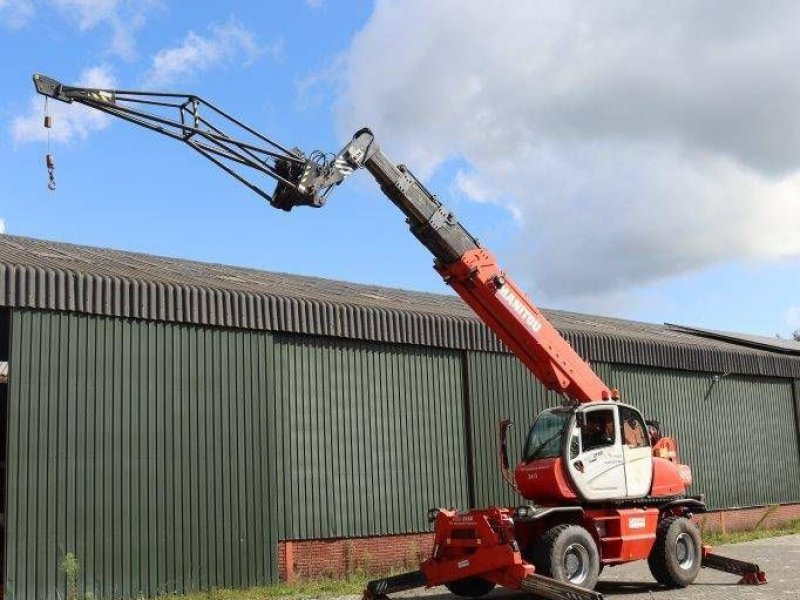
544,439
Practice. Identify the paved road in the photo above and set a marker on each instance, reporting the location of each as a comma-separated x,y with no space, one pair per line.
778,557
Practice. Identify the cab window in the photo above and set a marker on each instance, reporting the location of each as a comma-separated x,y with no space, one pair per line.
634,430
544,439
598,430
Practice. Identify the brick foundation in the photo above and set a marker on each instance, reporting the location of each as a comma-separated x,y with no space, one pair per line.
742,519
323,558
337,557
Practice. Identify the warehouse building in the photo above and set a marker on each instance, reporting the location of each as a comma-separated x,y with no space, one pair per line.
179,425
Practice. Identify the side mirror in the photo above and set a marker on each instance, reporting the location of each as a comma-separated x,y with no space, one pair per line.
654,431
505,469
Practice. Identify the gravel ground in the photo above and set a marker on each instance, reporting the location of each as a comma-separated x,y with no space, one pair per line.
778,557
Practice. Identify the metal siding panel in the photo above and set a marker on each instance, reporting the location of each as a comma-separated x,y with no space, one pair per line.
796,390
114,453
729,432
500,387
369,436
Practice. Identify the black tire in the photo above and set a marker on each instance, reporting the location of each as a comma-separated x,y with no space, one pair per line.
471,587
676,556
568,553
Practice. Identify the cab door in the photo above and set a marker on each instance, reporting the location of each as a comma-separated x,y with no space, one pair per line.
636,451
595,459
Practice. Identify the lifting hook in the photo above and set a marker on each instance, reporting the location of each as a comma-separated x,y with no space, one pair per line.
49,161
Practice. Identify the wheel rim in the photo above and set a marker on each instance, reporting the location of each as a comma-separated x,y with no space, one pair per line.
576,563
685,550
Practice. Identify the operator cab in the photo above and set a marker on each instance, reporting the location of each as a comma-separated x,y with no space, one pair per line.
595,451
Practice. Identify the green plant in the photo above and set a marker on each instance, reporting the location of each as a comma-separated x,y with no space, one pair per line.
412,555
71,567
349,558
737,537
701,524
767,512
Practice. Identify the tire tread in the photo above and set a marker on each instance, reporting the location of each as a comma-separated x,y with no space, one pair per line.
659,558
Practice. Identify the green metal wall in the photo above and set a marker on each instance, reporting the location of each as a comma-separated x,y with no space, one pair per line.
739,434
797,411
144,449
369,436
500,387
170,457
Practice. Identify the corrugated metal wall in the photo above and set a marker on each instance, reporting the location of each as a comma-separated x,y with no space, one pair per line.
500,387
739,434
797,411
369,437
172,456
144,449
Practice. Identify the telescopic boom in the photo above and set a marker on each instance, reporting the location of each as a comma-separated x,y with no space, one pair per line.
307,180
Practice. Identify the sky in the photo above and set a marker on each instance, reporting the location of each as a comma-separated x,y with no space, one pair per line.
622,158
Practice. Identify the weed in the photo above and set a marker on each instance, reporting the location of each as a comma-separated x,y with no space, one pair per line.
737,537
71,567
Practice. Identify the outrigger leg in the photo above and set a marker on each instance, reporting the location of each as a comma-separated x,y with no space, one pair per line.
750,572
543,587
480,545
379,589
553,589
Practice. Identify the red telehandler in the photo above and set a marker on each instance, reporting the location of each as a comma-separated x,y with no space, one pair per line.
603,485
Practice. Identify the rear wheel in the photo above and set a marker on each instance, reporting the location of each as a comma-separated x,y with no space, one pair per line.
676,556
568,553
471,587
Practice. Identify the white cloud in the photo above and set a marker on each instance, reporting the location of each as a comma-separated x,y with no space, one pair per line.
123,17
226,43
70,121
89,13
2,226
632,141
315,3
16,13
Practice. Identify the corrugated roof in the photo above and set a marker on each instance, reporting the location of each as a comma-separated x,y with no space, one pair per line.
763,342
59,276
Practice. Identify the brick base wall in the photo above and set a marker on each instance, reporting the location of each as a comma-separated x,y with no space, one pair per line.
337,557
324,558
743,519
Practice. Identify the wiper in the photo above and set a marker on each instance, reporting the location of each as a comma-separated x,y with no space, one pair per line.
541,446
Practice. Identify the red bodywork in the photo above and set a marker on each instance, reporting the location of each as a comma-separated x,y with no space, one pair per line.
670,478
546,482
506,309
489,543
479,542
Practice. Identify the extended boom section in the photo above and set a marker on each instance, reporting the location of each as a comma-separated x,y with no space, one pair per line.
474,274
233,146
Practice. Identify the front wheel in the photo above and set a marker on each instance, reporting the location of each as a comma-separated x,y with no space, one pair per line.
568,553
676,556
471,587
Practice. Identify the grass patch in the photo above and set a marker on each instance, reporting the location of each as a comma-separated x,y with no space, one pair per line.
354,584
305,588
737,537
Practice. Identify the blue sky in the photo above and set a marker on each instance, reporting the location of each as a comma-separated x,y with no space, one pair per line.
588,208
